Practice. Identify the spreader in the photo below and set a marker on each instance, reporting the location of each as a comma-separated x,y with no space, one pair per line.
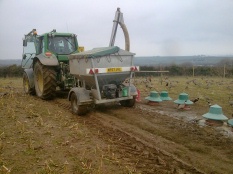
103,75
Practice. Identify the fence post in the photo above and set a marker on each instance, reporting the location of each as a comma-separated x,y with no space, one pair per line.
224,70
193,71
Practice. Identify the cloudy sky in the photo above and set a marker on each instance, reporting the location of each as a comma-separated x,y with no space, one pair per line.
156,27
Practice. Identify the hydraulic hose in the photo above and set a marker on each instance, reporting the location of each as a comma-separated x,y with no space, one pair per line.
126,34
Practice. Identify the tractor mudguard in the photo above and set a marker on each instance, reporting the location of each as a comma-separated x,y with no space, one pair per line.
83,95
49,61
30,76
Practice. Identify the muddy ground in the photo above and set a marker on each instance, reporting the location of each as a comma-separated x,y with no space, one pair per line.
38,136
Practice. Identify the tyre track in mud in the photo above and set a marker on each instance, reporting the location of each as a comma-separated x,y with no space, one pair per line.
145,158
130,149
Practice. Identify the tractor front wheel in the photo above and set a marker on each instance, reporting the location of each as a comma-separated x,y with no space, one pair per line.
26,85
45,81
77,109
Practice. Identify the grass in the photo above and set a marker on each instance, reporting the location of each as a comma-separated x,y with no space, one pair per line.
216,90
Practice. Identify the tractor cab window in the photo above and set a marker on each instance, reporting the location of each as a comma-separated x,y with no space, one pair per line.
40,45
29,51
30,46
61,44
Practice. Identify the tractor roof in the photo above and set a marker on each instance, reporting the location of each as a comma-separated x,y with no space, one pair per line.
58,34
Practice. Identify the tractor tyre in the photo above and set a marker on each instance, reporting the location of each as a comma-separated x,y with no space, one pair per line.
77,109
45,81
26,86
128,103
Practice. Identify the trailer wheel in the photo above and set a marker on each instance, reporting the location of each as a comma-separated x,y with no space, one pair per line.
128,103
77,109
45,81
26,86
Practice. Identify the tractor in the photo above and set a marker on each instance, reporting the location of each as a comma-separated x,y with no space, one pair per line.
45,62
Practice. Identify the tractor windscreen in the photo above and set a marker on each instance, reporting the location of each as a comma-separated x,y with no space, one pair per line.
61,44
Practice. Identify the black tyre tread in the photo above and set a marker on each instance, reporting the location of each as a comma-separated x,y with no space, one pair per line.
49,78
128,103
82,110
49,82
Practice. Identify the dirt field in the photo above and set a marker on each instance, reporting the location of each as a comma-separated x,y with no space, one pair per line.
38,136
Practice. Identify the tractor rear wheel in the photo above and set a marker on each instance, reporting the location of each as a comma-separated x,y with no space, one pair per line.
77,109
26,85
45,81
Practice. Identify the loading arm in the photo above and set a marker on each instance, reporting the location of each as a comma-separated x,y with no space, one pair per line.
119,20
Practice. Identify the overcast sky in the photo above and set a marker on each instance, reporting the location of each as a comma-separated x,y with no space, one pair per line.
156,27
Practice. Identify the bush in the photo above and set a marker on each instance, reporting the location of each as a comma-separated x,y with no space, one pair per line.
11,71
182,70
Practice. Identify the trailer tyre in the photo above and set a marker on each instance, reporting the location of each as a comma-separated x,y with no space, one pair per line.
26,86
45,81
77,109
128,103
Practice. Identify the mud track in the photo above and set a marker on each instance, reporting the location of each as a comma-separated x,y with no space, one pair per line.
133,145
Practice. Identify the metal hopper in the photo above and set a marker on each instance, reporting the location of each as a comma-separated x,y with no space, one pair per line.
102,69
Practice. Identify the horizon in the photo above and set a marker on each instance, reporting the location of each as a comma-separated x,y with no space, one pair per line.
155,60
197,55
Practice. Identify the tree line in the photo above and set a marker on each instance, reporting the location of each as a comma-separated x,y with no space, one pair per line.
174,70
11,71
184,70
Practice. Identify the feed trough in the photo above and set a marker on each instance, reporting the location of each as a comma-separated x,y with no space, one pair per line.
164,96
153,98
215,116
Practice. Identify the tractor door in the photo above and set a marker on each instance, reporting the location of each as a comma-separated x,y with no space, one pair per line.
31,46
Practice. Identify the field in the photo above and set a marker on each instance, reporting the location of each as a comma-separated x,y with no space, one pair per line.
38,136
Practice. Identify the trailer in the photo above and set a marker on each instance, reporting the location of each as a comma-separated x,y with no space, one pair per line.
103,75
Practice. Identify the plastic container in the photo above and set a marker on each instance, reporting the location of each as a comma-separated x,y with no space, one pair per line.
125,92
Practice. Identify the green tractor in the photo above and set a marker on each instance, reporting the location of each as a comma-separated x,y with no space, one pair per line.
46,64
